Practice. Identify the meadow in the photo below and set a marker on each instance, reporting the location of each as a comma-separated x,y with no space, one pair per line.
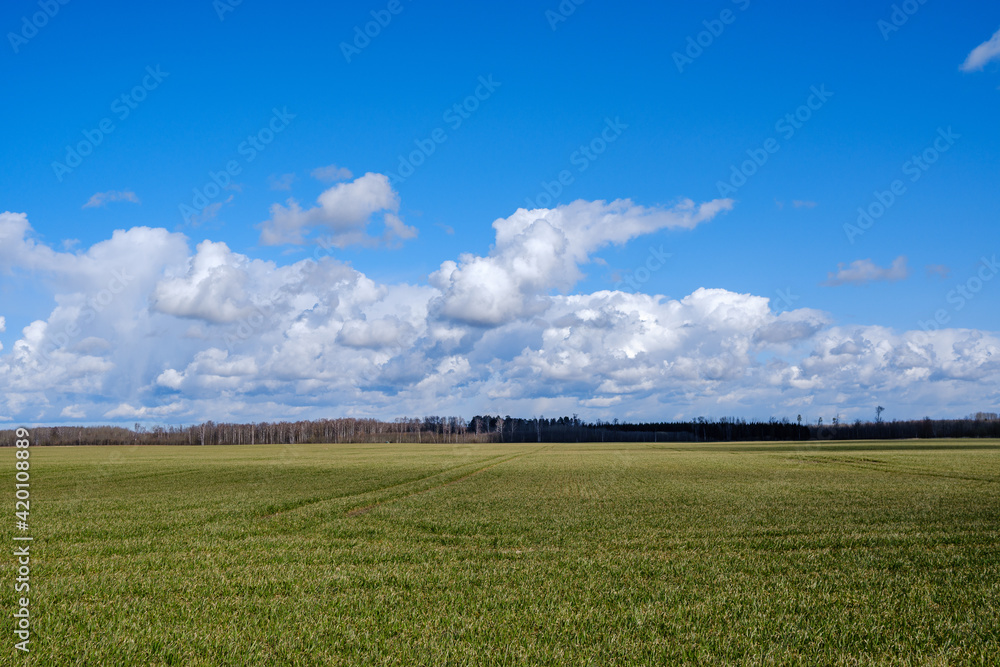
855,553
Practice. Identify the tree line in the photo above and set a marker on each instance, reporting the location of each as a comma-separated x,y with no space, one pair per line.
488,428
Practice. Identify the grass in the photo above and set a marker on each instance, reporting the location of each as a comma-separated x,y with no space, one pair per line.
568,554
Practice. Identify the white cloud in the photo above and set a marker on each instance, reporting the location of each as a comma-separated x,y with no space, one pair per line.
17,249
378,333
170,378
127,412
939,270
862,271
983,54
792,326
209,333
211,289
99,199
343,214
283,182
73,412
397,230
211,211
540,250
331,174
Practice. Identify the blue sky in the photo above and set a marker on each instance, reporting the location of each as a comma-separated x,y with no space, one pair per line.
681,117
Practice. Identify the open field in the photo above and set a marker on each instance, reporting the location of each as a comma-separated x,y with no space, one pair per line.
570,554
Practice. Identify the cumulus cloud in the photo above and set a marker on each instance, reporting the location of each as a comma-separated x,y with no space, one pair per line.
331,174
17,248
211,289
129,258
342,216
99,199
283,182
863,271
381,332
541,250
147,328
791,326
73,412
983,54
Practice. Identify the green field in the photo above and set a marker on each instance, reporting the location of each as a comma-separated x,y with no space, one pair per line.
567,554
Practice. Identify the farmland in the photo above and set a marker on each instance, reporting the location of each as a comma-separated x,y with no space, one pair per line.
555,554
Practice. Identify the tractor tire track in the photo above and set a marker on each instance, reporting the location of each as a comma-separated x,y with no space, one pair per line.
364,509
316,500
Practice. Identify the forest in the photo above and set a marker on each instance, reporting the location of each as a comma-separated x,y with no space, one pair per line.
487,428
